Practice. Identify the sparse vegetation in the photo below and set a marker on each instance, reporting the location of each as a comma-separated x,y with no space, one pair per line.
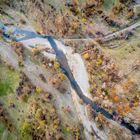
104,76
8,80
18,47
105,33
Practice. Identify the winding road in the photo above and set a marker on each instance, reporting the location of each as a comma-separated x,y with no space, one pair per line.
64,65
109,36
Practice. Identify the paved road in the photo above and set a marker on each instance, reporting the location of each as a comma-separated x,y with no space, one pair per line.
64,65
116,34
109,36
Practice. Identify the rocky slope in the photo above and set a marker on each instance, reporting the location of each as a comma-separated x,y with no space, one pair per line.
39,94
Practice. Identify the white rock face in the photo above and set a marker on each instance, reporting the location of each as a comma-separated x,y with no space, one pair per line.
88,125
77,67
37,43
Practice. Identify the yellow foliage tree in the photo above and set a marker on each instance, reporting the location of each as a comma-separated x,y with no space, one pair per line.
39,90
86,56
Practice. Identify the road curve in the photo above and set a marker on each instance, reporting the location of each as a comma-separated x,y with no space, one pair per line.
64,65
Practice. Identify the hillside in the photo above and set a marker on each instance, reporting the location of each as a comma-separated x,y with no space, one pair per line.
69,70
